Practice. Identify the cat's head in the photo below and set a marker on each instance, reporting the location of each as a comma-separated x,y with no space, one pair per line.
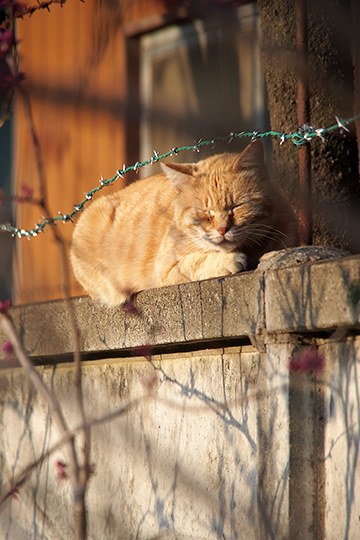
226,199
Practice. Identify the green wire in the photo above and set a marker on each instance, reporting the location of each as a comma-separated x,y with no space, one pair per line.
303,135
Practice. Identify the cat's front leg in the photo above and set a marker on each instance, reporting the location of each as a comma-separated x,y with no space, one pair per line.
214,264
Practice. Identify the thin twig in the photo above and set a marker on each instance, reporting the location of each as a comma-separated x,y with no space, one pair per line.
37,382
21,10
79,480
21,478
81,472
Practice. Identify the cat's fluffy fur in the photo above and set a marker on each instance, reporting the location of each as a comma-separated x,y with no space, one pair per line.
195,221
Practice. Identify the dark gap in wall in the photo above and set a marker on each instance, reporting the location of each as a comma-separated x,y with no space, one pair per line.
194,346
331,333
153,349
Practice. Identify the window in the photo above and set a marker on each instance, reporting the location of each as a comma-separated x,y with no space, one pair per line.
200,79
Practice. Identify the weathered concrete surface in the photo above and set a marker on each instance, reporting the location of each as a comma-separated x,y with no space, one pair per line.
225,442
341,453
183,460
319,296
198,311
302,296
335,180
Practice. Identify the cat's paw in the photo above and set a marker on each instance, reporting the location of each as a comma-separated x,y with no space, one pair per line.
223,264
241,261
234,263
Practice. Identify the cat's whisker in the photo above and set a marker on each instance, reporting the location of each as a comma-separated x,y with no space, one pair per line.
195,242
272,237
265,226
265,234
251,240
262,226
259,231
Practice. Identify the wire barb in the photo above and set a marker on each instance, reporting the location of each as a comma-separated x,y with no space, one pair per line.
155,157
282,138
304,134
342,124
319,132
137,166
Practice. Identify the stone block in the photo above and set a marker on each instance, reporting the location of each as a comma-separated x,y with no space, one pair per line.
192,312
313,297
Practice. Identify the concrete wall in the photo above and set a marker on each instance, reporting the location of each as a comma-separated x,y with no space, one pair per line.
221,441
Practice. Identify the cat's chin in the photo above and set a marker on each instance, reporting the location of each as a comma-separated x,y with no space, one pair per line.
229,246
215,240
223,244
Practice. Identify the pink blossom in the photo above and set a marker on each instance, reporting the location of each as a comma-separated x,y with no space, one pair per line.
14,492
7,40
8,80
7,348
150,383
27,191
13,80
5,4
308,361
130,308
4,306
60,469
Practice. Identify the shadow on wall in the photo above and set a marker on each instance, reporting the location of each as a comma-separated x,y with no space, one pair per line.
216,442
184,460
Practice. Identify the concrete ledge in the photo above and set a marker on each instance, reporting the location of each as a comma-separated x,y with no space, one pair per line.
218,439
311,297
193,312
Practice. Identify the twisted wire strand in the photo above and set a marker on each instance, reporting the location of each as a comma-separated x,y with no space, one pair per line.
304,134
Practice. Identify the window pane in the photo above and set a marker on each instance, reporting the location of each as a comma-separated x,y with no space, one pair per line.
200,80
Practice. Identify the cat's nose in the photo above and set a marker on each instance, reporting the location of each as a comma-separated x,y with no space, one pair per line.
222,230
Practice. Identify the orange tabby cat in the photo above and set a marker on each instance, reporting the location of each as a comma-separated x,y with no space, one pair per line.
195,221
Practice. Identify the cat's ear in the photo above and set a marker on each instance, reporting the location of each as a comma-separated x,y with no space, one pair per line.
178,173
252,157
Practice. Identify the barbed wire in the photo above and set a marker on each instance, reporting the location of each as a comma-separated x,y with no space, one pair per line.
304,134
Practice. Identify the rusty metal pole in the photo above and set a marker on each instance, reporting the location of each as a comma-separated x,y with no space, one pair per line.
303,114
